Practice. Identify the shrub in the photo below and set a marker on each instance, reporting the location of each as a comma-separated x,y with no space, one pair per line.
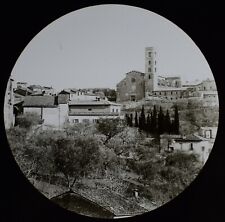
28,120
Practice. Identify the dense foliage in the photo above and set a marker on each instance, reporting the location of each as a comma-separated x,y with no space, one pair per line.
155,122
107,150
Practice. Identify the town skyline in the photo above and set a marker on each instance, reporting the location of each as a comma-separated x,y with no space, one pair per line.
91,47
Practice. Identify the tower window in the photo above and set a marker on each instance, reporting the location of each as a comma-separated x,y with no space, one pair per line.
155,62
149,62
149,76
155,69
149,54
149,69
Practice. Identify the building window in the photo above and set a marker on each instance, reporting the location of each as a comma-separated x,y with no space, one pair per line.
203,148
89,109
191,146
155,69
159,93
149,54
171,93
132,98
113,110
133,80
117,110
149,76
149,69
155,62
155,93
149,62
75,120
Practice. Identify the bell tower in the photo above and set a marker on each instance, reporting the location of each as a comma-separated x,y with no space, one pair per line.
150,70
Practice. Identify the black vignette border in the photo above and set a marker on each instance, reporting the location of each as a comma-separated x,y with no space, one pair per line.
203,23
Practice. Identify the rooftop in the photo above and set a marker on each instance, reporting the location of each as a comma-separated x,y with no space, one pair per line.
92,102
135,72
189,138
39,101
92,113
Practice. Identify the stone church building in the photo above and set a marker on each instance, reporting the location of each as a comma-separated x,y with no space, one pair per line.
137,85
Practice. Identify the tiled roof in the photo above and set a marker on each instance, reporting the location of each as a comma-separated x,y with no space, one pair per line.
136,72
189,138
39,101
90,113
62,100
64,91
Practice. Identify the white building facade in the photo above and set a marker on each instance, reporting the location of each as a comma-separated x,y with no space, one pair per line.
91,111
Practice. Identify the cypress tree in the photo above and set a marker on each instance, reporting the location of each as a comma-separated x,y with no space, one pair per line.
127,119
148,124
136,120
131,120
154,121
167,122
142,122
176,120
160,121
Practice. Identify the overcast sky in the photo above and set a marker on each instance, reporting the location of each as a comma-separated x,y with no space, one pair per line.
96,46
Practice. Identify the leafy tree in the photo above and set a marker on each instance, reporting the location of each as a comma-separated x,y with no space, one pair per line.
75,157
181,160
110,128
80,129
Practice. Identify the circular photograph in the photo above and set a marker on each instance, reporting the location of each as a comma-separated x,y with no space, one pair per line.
111,111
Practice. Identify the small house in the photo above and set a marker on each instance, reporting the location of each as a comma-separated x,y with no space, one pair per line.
191,144
91,111
52,113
